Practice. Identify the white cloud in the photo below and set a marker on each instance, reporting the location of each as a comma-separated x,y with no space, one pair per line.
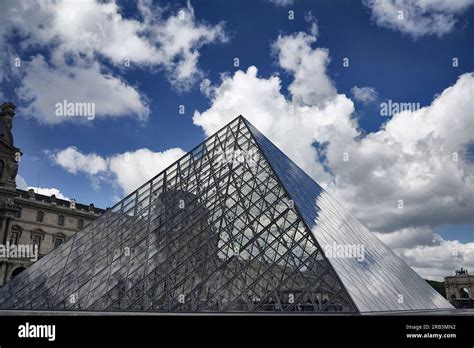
81,27
428,253
21,183
86,37
438,261
92,28
128,170
134,168
410,237
47,191
282,3
111,96
178,39
418,17
311,85
74,161
365,95
410,158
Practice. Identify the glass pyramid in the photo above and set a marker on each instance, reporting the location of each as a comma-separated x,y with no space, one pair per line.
232,226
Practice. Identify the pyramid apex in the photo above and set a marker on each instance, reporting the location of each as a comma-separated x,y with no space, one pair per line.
242,117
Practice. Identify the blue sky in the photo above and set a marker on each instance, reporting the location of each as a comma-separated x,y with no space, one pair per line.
400,64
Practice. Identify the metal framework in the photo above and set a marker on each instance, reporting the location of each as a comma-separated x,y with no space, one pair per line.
226,228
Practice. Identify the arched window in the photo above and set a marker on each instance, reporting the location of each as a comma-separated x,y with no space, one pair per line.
2,167
61,220
39,216
80,223
464,292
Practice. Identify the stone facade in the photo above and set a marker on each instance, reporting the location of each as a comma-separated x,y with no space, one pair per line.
28,218
459,286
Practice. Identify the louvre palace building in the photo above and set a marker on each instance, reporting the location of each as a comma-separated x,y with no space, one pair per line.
28,218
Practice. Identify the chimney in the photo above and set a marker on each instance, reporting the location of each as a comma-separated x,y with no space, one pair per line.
7,113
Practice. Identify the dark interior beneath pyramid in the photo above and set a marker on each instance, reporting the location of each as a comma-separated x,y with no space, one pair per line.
216,231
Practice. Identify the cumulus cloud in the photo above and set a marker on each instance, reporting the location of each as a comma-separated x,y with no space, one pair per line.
178,39
128,170
21,183
311,85
428,253
410,237
90,41
47,191
438,261
74,161
110,96
416,160
134,168
365,95
418,17
401,181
